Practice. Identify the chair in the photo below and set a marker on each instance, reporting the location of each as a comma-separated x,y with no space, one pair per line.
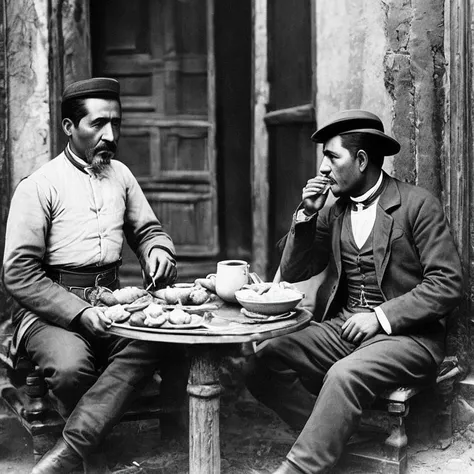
381,442
25,394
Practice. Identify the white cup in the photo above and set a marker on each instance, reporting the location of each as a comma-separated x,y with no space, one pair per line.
231,276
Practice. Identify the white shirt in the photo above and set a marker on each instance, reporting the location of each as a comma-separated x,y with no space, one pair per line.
362,224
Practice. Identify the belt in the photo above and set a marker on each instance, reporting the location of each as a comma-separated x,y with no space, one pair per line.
85,277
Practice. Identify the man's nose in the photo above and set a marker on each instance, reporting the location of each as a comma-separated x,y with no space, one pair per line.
108,133
325,169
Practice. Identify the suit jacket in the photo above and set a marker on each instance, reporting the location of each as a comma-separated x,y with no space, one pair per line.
417,266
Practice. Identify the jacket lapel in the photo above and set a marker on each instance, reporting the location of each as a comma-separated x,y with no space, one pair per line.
383,226
339,210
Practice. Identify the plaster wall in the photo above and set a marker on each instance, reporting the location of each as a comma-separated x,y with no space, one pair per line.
387,56
48,48
27,59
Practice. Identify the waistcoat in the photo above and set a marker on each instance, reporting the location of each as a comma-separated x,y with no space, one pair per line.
358,267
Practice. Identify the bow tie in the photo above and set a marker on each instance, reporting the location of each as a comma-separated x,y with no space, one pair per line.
360,206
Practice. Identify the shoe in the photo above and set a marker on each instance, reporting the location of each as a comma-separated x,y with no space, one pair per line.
287,467
61,459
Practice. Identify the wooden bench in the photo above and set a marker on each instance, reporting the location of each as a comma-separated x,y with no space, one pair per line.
24,392
381,443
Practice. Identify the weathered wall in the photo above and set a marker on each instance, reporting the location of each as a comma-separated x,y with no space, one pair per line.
351,48
28,85
48,47
387,57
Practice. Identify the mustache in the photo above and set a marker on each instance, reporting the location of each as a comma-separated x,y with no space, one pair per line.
107,147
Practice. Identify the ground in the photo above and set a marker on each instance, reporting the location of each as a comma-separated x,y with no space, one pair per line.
253,440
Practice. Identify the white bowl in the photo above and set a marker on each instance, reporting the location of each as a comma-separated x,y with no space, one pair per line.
267,307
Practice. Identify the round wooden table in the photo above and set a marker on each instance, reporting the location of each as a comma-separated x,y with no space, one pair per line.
207,344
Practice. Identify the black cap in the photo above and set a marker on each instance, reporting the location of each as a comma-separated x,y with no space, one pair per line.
356,121
103,87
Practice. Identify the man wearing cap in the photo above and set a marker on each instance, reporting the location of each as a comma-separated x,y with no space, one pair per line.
64,237
392,276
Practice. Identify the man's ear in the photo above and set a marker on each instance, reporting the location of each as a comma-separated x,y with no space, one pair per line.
363,160
67,126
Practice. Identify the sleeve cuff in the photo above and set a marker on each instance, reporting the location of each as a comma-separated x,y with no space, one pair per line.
384,322
301,216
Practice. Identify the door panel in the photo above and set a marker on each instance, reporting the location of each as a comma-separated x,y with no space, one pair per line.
161,51
290,119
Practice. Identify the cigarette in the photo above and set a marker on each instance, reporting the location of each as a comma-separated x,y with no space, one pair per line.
326,189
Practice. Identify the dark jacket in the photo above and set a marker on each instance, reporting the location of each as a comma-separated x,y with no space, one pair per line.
417,265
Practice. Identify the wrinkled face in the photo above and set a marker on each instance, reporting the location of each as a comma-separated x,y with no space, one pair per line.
343,169
96,136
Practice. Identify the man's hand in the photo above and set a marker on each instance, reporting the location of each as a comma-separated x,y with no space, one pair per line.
315,193
94,321
360,327
161,266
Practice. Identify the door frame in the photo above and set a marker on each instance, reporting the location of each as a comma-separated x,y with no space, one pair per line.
260,141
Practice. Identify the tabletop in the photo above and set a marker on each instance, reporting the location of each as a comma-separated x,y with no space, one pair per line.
227,325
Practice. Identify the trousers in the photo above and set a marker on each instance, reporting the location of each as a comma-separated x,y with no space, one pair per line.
94,380
320,384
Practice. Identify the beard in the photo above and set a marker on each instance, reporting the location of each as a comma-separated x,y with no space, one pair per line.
99,158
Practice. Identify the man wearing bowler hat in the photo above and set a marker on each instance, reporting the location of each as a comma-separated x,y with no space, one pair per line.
392,277
64,237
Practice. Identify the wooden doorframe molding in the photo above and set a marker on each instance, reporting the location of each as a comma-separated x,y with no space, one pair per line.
259,140
458,193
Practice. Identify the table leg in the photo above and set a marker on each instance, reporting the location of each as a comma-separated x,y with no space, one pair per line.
204,392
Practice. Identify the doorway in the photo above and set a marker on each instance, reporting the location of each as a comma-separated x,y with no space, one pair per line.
165,53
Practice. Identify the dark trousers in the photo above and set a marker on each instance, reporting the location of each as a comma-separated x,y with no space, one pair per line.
94,380
319,384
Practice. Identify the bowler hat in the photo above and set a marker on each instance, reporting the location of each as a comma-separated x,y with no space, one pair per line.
103,87
357,121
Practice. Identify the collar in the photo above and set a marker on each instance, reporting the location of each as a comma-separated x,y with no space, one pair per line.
389,199
370,192
79,163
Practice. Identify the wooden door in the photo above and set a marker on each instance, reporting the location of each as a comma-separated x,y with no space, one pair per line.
290,117
161,51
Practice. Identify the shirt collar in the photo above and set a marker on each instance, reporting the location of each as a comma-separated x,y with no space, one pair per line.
76,161
371,191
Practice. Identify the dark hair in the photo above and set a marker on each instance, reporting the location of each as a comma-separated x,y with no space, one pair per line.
364,141
74,109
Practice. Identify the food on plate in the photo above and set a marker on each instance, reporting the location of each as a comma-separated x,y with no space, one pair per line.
143,299
179,316
209,283
155,322
137,319
105,296
153,310
174,295
129,294
274,293
117,313
260,288
198,295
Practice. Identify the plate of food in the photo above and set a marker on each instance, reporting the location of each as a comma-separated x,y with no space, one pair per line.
179,306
